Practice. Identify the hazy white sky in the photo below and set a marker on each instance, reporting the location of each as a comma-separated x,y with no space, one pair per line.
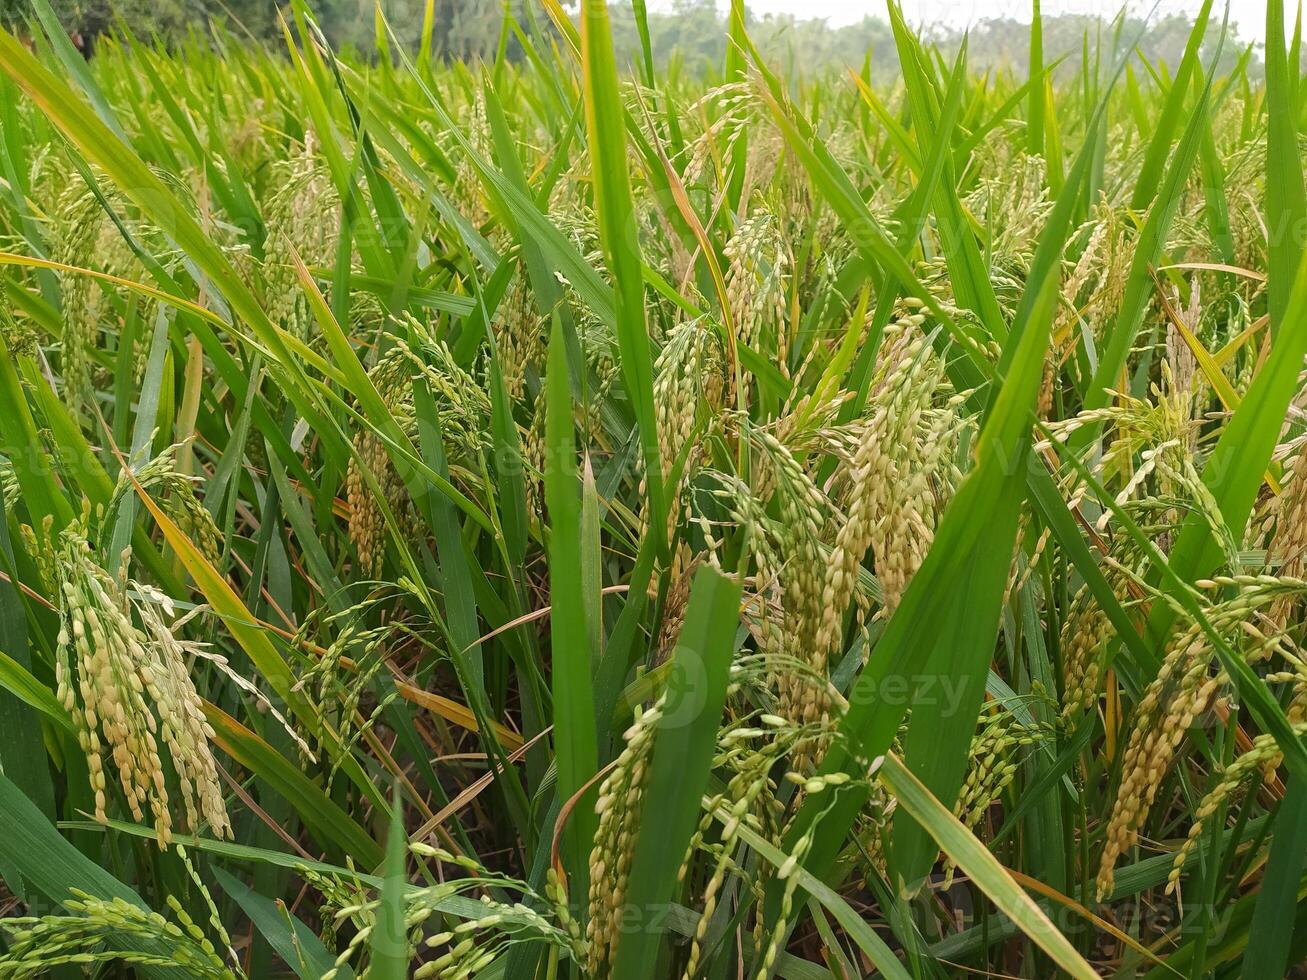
1250,15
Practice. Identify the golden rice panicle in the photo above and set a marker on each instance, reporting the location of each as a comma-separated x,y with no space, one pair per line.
1106,271
100,686
1180,359
302,216
756,279
161,477
803,696
475,125
864,511
687,374
994,759
677,602
915,459
556,896
1260,761
749,751
619,808
892,507
78,227
730,106
790,888
687,377
19,335
103,931
993,763
461,406
182,723
85,237
392,377
1181,690
10,489
109,673
519,336
1014,202
1288,544
367,529
801,509
1085,631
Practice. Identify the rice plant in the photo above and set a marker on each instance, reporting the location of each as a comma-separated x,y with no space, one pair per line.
564,515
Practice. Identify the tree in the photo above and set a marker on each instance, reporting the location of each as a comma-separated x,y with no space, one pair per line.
85,20
461,29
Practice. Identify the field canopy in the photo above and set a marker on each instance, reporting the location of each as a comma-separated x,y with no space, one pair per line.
605,509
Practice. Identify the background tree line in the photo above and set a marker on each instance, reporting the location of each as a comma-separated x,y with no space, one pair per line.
461,28
693,32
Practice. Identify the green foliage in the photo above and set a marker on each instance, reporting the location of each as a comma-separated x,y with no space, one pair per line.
493,491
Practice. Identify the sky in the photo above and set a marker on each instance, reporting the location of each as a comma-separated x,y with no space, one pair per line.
1250,15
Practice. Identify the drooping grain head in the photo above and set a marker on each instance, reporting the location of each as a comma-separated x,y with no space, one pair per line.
127,687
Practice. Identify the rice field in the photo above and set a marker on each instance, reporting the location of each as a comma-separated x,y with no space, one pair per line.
578,516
